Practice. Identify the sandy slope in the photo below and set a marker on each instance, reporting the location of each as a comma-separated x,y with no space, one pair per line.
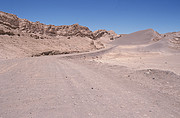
16,47
60,87
138,38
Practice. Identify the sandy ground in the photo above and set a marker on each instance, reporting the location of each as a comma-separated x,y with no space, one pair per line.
139,61
54,87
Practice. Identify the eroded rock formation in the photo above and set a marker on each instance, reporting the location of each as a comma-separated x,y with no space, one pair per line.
11,23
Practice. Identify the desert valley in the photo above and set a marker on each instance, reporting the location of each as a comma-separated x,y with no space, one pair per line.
67,71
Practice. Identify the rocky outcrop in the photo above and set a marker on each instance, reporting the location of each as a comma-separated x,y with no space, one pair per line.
11,23
53,52
100,33
2,32
103,33
173,39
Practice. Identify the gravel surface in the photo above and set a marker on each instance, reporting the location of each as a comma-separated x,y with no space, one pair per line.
54,87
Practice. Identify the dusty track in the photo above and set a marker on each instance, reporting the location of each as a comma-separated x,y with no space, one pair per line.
53,87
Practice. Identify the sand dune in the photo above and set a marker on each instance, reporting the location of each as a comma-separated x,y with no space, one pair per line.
138,38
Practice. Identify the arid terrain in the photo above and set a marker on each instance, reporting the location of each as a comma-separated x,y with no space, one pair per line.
49,71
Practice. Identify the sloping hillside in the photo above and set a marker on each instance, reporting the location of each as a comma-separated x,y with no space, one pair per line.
138,38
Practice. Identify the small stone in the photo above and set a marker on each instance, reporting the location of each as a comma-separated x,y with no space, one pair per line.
121,106
145,115
90,114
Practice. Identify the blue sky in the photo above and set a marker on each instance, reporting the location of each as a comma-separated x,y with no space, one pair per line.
122,16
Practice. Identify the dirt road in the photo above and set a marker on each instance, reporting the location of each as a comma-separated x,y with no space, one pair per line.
54,87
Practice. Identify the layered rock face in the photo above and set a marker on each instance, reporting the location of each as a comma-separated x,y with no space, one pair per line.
9,20
11,24
174,39
104,33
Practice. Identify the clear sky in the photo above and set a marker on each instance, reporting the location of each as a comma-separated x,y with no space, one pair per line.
122,16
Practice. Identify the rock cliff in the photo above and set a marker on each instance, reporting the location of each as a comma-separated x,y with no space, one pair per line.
10,24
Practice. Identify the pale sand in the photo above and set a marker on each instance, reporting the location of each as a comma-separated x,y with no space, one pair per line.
56,86
138,61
